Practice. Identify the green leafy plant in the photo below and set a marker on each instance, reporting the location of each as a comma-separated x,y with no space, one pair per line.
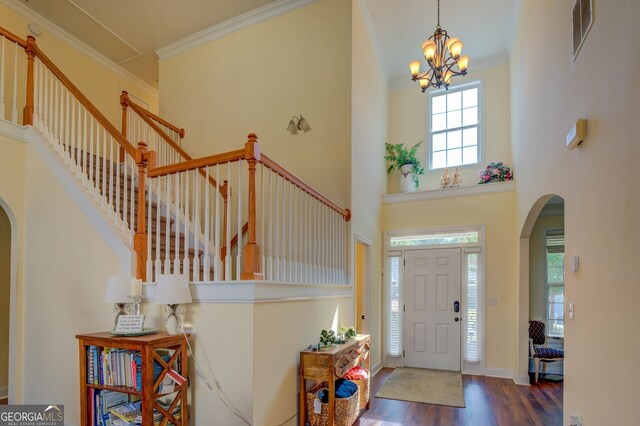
348,332
398,155
327,337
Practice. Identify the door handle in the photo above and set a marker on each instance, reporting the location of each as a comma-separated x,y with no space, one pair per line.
362,317
456,306
456,319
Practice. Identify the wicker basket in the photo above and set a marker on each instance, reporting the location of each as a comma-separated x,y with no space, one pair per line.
363,388
346,409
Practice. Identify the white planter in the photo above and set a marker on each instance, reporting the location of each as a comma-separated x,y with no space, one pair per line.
406,178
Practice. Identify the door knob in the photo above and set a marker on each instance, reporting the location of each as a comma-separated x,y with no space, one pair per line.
456,319
363,317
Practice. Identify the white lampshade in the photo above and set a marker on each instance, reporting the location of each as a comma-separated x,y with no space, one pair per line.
172,290
117,289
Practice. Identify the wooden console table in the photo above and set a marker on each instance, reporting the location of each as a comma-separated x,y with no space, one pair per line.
328,365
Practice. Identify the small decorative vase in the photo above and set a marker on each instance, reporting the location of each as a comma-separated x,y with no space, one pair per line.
407,184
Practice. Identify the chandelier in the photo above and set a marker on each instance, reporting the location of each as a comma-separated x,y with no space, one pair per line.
443,59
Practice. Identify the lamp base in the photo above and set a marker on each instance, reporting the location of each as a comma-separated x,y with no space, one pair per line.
172,324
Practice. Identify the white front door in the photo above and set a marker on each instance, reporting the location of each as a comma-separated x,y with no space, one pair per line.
432,296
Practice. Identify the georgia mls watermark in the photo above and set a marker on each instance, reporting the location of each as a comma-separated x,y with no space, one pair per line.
32,415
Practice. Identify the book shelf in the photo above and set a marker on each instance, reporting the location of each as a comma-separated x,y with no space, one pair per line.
150,358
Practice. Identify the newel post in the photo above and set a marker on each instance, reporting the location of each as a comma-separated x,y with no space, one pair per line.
251,249
124,97
144,159
27,112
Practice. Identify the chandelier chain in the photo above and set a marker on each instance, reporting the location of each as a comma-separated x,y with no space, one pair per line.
438,13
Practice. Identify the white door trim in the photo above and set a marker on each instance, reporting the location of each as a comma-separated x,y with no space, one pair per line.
366,280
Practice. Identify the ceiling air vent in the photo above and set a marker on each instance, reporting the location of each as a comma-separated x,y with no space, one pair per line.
582,18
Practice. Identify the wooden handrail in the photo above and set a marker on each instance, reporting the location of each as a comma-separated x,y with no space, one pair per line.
12,37
129,102
277,168
104,122
142,113
199,163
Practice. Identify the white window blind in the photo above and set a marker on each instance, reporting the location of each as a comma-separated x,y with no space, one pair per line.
394,308
472,340
555,282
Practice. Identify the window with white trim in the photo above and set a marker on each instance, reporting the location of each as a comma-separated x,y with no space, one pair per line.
554,277
472,347
394,307
454,127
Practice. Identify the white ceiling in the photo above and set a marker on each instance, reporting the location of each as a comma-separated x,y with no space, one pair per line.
400,27
130,31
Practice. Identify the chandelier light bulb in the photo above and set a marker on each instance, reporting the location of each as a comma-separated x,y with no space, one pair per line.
451,41
415,68
447,77
455,49
429,48
463,63
424,83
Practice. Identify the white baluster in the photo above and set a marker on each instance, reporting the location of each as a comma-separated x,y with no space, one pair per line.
35,93
14,110
85,170
263,214
45,105
276,232
227,259
158,244
103,186
149,198
176,204
240,188
269,270
167,236
217,264
112,163
186,262
283,233
197,229
132,197
207,236
2,73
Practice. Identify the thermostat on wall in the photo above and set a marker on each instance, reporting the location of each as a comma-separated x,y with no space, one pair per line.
577,133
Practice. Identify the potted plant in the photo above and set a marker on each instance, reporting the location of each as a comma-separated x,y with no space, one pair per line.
400,158
496,171
327,338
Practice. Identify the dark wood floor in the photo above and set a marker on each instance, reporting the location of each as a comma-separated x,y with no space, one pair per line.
489,401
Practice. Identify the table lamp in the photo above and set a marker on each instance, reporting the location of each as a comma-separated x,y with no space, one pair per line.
118,293
172,290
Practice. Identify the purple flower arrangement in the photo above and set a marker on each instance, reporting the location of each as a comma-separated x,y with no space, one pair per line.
495,172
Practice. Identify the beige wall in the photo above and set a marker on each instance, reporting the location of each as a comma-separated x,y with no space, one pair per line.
256,79
66,267
537,264
12,164
597,182
368,181
5,282
496,213
99,83
281,331
408,123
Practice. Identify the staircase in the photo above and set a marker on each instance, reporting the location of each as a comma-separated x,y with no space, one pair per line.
112,183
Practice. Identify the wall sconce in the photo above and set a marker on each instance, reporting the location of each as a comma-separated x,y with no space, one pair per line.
298,123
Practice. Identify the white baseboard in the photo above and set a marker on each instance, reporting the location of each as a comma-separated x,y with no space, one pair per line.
522,380
376,369
502,373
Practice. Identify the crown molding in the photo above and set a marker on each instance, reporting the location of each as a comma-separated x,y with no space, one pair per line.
373,37
481,64
229,26
74,42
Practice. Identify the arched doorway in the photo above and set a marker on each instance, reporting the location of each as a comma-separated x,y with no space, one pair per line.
5,302
541,280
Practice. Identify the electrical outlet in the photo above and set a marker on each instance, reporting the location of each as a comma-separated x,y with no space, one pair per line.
575,420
